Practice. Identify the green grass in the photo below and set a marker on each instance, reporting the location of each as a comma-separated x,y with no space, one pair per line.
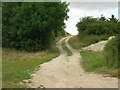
18,64
96,62
78,42
69,53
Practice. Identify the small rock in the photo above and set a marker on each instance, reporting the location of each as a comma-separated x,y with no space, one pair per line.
106,76
110,38
41,86
26,81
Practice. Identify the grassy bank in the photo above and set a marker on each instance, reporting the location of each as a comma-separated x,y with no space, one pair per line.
18,64
96,62
105,62
69,53
78,42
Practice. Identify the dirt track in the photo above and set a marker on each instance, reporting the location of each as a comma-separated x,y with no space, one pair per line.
66,72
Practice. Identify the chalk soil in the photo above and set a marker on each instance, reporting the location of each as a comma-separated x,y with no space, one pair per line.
66,72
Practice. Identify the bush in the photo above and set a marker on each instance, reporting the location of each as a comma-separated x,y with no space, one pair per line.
98,26
111,53
32,26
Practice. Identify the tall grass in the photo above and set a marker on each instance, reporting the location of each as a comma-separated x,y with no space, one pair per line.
18,64
96,62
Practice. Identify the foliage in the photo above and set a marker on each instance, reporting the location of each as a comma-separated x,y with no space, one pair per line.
89,26
33,26
98,26
111,53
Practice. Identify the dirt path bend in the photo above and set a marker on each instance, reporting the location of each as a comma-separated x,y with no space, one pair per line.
66,72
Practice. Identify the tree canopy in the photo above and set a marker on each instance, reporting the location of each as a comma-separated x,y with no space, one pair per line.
98,26
32,26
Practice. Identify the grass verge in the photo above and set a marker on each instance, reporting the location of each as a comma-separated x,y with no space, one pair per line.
18,64
69,53
96,62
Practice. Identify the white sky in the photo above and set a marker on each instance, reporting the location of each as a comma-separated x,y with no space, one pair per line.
95,9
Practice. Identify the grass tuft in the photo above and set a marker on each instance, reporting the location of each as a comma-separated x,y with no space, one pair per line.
69,53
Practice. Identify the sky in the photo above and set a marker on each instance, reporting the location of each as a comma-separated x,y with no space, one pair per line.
82,9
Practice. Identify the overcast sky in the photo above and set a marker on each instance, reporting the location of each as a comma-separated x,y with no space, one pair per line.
95,9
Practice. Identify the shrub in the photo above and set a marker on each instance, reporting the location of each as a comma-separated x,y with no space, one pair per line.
111,53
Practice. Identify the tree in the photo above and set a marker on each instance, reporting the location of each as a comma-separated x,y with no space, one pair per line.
102,18
32,26
113,19
98,26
